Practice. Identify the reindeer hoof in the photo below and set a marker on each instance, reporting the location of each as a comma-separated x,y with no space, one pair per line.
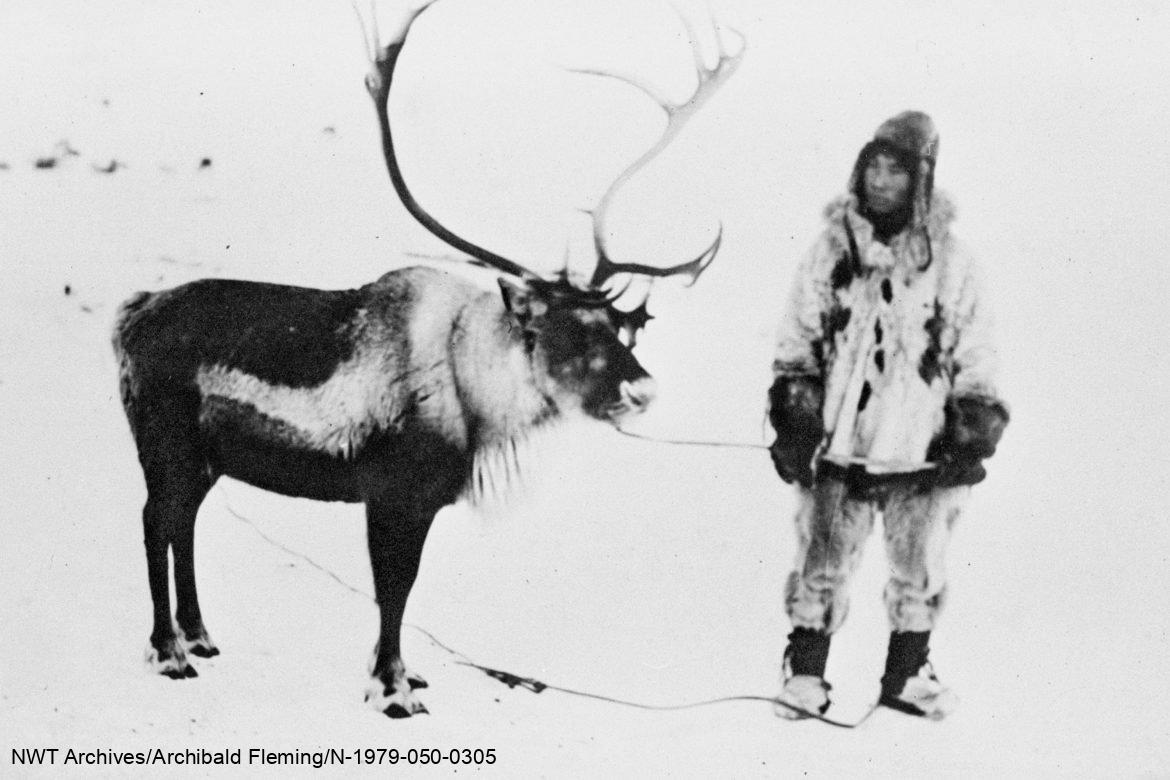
197,642
416,681
392,702
170,661
398,711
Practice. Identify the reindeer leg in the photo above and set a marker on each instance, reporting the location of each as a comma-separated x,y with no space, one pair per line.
176,483
192,634
165,509
165,655
396,532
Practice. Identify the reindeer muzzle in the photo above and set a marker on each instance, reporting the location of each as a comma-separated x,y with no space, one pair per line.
636,396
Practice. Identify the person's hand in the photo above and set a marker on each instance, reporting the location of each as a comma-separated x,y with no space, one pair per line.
794,409
971,433
793,464
951,471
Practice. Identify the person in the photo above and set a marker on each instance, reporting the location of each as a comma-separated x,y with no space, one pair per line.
884,402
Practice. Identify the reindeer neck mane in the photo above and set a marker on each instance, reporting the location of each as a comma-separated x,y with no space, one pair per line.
500,395
502,468
506,413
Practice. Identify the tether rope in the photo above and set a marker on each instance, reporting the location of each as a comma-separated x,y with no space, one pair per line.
530,683
693,442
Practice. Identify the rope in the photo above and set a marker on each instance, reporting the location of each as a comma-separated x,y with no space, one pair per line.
536,686
531,683
693,442
289,550
889,466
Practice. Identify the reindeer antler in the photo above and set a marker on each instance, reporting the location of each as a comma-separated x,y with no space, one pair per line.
709,80
383,60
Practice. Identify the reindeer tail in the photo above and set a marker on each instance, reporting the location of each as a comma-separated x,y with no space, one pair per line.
124,320
126,315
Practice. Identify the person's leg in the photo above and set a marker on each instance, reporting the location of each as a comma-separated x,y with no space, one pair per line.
917,529
831,532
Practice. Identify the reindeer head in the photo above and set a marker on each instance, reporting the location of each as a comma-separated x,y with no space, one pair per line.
577,357
579,342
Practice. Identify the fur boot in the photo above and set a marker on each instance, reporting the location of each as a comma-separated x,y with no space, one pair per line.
909,684
804,674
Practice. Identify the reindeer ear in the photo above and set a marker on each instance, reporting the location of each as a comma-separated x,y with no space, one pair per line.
521,301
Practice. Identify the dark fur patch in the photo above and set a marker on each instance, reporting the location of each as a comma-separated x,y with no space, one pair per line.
879,359
887,291
284,335
243,444
877,331
842,273
930,366
835,320
866,392
818,351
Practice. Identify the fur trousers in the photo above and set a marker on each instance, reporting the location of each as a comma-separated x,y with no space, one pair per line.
832,528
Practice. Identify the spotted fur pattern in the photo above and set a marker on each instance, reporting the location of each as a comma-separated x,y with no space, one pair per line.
891,335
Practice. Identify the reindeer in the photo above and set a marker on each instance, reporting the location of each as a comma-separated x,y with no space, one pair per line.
404,394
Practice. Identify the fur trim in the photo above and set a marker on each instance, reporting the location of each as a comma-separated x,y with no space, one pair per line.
908,243
943,212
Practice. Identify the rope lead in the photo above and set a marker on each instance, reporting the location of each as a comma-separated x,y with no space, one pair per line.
531,683
693,442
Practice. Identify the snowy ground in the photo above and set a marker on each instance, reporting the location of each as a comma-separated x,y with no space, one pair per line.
634,570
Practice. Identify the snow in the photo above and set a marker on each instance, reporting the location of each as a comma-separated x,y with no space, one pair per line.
632,570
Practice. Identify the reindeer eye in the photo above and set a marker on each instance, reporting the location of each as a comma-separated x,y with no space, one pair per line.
597,359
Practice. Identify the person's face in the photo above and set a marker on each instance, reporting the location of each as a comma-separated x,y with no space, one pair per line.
887,184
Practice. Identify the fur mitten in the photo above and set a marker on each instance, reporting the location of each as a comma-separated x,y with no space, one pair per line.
794,409
974,425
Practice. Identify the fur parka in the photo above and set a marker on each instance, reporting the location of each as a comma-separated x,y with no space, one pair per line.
891,330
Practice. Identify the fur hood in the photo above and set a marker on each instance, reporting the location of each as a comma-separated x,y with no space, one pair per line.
913,139
842,218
